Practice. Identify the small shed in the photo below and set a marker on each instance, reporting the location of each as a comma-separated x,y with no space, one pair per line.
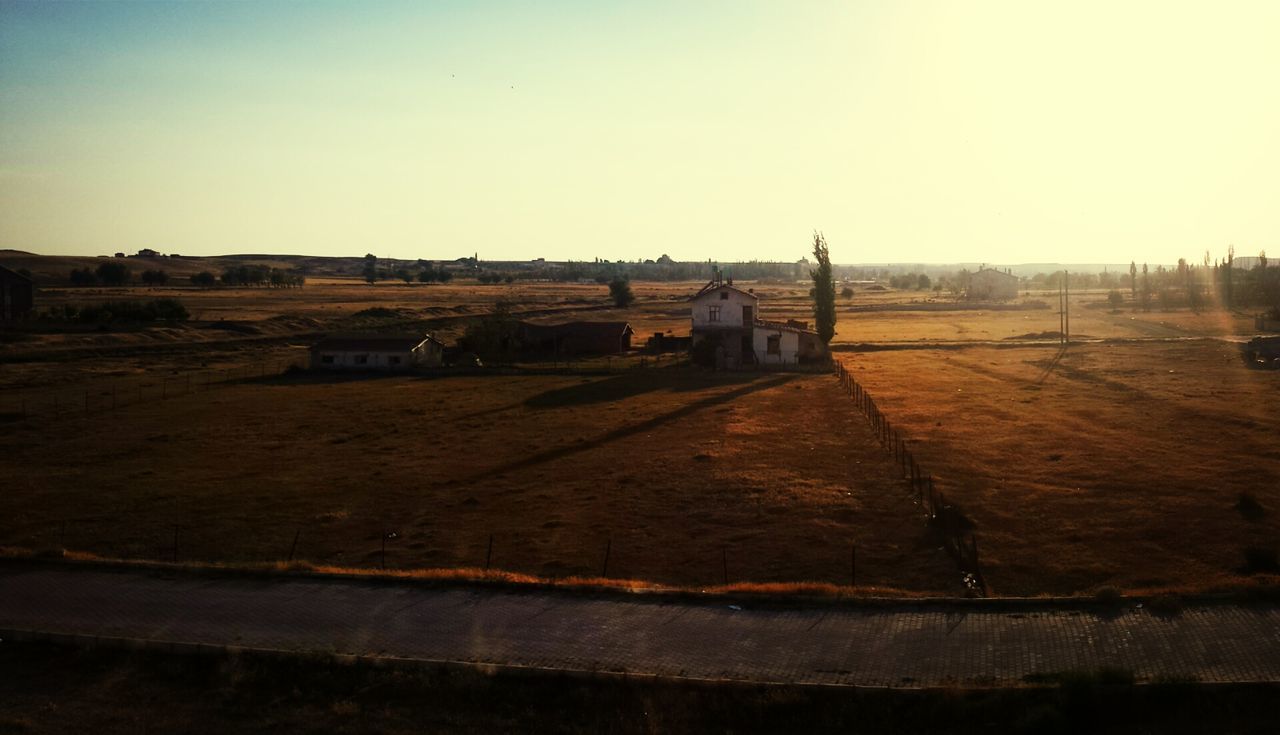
17,295
786,343
376,352
576,338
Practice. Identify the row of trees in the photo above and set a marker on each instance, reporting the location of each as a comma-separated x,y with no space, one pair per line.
911,282
1197,286
109,312
119,274
252,275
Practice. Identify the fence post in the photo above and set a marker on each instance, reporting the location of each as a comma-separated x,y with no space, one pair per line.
488,556
294,546
608,546
853,565
724,561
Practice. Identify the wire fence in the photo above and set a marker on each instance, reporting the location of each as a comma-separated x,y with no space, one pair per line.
945,517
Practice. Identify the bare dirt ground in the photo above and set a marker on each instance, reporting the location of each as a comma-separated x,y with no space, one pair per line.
1114,465
681,474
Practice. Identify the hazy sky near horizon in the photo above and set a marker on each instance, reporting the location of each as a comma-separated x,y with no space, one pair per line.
912,131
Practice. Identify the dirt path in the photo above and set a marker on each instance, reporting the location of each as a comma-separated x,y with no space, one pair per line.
901,645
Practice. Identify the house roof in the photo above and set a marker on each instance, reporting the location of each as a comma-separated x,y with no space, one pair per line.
996,272
9,275
711,288
784,327
598,330
373,342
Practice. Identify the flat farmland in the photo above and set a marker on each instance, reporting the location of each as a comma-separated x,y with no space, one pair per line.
680,473
1104,465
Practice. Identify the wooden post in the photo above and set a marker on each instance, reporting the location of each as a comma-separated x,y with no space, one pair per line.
724,562
175,544
86,403
383,562
488,556
1066,305
294,546
608,546
853,565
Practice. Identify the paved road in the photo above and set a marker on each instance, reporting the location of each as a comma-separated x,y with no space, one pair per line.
906,645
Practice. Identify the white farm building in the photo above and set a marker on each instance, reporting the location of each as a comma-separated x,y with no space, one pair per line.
728,332
989,284
376,352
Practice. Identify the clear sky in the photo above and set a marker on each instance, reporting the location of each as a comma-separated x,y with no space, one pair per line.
1003,132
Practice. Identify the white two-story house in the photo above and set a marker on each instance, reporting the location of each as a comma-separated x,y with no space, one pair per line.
728,331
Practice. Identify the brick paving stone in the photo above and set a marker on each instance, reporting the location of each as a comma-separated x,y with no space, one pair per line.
910,644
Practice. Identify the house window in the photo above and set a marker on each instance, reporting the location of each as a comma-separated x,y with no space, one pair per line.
724,295
713,313
393,360
774,344
326,359
362,359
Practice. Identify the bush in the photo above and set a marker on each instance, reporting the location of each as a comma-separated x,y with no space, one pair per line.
1260,559
114,274
620,292
155,277
1115,298
168,310
1249,506
204,279
376,312
83,277
1109,596
846,292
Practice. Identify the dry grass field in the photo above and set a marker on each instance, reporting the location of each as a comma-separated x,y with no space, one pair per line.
1121,462
1114,465
773,475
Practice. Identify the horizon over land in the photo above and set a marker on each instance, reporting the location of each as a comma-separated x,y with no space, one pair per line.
571,132
504,327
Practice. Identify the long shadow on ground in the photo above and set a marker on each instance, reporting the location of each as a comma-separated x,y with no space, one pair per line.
621,433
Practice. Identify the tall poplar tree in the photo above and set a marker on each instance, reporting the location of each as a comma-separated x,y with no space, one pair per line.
824,290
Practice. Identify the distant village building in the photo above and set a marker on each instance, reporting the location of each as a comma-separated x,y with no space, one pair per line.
376,352
575,338
17,295
728,331
989,284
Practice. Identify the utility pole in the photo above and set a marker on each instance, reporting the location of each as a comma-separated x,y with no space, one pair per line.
1066,306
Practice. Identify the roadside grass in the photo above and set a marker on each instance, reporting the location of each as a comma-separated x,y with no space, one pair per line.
48,688
1165,602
